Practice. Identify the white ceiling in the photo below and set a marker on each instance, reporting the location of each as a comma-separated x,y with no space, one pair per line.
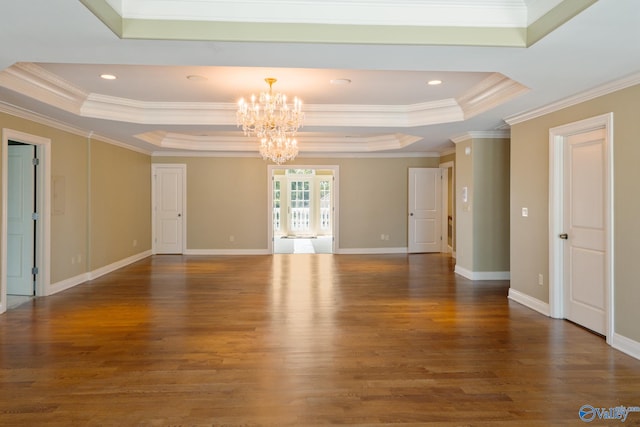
59,48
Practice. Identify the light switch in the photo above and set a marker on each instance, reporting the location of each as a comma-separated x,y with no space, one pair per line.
525,211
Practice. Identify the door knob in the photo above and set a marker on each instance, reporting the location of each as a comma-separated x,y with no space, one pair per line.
411,214
179,215
563,236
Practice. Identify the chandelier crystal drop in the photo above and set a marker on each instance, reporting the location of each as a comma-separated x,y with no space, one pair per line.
273,121
278,151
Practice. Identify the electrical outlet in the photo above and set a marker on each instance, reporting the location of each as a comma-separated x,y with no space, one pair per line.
232,238
135,243
540,279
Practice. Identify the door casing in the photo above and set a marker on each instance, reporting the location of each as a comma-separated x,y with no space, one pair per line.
557,139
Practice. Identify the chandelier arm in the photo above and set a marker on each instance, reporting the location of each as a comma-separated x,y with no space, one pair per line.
269,118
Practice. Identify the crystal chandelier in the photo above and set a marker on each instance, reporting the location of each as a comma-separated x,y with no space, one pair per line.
273,121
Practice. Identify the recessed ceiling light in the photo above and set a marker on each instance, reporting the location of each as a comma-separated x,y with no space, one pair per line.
340,81
196,78
108,76
434,82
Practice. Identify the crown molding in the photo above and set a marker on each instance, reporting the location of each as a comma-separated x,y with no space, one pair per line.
47,121
588,95
514,23
456,13
489,93
320,144
412,115
37,83
496,134
180,113
447,152
39,118
307,155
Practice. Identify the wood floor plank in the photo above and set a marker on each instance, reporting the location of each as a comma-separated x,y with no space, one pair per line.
300,340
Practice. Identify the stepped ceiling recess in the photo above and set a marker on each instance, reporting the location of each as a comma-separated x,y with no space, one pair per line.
361,68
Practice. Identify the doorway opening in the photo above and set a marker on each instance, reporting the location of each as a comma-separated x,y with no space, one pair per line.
25,242
302,209
448,208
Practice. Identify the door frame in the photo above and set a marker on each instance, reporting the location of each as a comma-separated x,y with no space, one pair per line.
445,205
557,139
43,206
335,223
154,171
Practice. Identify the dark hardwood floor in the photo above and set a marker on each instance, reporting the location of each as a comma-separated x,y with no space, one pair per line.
300,340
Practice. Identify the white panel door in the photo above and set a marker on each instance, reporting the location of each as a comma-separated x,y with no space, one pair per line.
585,230
169,215
20,223
424,210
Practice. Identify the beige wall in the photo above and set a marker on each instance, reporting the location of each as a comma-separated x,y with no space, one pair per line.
121,218
491,205
464,214
69,216
228,196
120,204
69,226
482,233
530,188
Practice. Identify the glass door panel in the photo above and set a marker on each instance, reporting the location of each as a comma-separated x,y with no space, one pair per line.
300,206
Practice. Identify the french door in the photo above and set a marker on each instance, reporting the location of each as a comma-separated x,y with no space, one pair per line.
303,205
300,205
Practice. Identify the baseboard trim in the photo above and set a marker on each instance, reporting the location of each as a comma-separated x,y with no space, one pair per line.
227,252
626,345
65,284
118,264
371,251
482,275
529,302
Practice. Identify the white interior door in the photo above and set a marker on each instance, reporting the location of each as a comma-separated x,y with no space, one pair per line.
20,222
169,209
424,210
584,251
